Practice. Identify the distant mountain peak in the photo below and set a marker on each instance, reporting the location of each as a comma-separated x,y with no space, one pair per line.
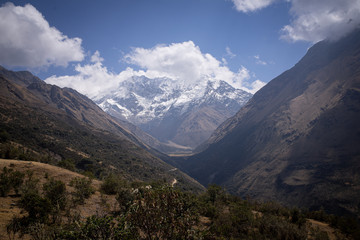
161,106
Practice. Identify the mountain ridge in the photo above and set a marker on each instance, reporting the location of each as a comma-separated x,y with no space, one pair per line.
61,124
279,145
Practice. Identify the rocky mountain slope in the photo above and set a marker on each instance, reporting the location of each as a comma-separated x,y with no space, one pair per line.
54,124
180,116
298,139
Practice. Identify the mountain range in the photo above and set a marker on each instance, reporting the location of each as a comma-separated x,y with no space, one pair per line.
180,116
53,124
297,140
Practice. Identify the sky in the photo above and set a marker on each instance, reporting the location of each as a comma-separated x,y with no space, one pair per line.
93,45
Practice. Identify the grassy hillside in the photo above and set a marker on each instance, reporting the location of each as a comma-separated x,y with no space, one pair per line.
117,209
9,206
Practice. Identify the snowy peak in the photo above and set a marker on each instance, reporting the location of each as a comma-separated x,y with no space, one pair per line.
162,105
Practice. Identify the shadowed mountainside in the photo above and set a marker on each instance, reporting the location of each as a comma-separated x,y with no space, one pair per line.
59,123
297,140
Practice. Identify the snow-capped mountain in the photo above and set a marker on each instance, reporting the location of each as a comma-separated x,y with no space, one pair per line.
179,115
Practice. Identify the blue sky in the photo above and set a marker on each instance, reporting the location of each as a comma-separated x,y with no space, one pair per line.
247,40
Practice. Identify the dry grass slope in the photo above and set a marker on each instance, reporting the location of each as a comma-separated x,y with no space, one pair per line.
42,171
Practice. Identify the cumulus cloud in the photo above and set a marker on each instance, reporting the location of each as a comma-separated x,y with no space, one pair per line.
91,79
322,19
251,5
187,64
313,21
254,86
96,57
182,62
28,40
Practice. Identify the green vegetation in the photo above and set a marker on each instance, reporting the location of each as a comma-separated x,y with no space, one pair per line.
163,213
46,208
159,211
83,190
59,140
67,164
96,227
112,184
10,179
55,192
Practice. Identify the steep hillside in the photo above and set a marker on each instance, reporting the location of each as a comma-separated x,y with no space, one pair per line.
49,123
297,140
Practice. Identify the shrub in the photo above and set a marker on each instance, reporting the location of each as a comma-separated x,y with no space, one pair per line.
38,208
96,227
164,214
30,184
5,186
125,198
234,222
4,136
55,192
17,226
297,217
10,179
273,227
112,184
83,189
67,164
215,193
16,180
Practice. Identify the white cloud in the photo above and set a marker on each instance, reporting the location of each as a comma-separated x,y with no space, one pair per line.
28,40
243,79
313,21
322,19
229,53
251,5
255,86
259,61
96,57
182,62
224,61
92,79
